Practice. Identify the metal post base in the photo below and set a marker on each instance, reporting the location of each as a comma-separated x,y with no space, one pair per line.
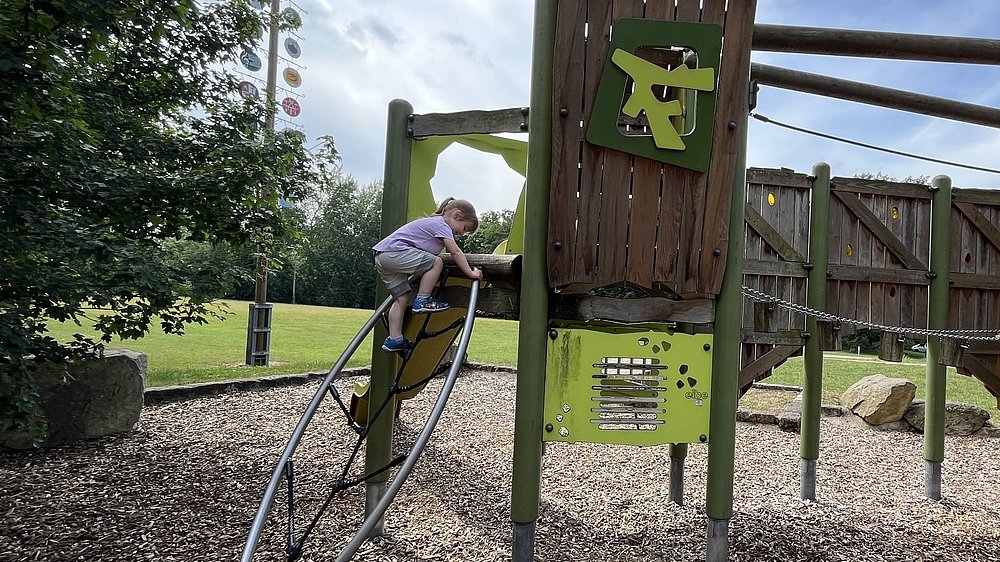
374,491
676,484
717,549
524,542
932,479
807,479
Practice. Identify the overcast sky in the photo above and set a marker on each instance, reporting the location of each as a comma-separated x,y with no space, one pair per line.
457,55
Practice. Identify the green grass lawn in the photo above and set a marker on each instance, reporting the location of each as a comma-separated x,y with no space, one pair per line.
303,339
841,370
311,338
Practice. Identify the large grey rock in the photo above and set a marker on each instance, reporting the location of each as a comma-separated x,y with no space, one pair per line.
959,419
878,399
104,397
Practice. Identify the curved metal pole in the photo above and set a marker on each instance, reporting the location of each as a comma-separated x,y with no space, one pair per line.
272,487
418,446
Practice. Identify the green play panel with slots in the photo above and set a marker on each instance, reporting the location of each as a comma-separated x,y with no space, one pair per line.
627,385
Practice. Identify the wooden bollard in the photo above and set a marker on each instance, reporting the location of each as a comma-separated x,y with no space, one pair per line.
952,352
891,347
828,333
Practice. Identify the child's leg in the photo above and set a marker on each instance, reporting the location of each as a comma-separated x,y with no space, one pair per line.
396,313
430,277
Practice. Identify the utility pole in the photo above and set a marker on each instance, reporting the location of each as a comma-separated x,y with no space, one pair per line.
259,316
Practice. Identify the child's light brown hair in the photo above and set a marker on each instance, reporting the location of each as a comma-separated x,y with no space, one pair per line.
465,208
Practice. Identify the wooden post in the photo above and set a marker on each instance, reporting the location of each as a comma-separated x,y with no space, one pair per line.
828,335
891,347
952,352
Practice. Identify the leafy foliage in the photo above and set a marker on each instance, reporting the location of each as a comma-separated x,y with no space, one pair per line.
494,228
119,137
335,267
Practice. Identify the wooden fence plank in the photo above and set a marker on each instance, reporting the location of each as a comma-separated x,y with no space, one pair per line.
567,97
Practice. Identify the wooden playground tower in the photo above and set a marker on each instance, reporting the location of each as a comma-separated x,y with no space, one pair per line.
610,205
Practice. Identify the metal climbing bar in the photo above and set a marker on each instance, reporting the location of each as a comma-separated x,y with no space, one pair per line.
418,446
272,487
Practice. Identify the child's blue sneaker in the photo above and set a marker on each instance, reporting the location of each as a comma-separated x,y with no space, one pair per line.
396,345
427,303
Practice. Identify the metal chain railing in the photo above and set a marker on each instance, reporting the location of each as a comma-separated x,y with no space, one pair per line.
988,335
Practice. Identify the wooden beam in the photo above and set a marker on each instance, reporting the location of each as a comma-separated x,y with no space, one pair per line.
650,309
514,120
983,369
881,231
875,44
874,95
754,371
983,224
877,275
494,300
770,235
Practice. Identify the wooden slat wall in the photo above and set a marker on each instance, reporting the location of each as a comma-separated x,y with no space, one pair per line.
877,230
975,259
873,284
783,202
618,218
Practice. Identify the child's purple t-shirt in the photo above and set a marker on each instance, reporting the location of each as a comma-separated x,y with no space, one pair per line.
428,234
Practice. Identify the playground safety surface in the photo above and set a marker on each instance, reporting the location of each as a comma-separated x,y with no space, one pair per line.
185,486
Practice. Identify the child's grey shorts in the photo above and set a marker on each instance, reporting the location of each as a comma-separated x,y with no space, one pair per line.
397,266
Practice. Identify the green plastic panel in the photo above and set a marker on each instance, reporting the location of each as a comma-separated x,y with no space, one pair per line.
627,385
623,67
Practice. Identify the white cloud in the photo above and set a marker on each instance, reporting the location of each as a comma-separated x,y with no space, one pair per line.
457,55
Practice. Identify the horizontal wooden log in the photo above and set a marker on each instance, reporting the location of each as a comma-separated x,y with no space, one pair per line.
874,95
874,44
498,269
514,120
650,309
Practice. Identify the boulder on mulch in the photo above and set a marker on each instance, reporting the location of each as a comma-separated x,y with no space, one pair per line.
959,419
879,399
102,397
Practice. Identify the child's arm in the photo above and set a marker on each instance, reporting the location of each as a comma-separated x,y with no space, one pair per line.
461,260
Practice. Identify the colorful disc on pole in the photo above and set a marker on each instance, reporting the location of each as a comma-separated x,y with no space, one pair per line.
292,48
248,90
291,107
292,16
292,77
250,61
259,4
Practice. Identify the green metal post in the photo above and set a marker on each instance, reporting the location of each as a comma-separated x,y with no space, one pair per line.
378,451
726,367
812,387
675,487
937,319
533,328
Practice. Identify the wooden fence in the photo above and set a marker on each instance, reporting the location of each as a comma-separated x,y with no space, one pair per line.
879,251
